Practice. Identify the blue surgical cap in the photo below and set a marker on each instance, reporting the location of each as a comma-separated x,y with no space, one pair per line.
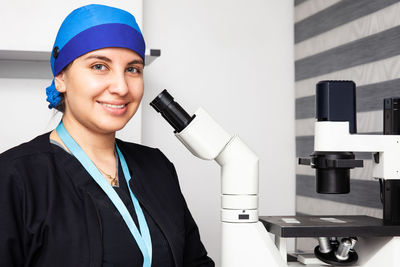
90,28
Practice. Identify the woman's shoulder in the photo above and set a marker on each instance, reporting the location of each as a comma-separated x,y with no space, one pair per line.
140,151
31,149
149,158
135,146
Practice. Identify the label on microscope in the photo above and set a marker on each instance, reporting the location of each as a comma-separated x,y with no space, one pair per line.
290,220
332,220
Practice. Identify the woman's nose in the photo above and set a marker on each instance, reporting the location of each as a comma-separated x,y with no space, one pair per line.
119,84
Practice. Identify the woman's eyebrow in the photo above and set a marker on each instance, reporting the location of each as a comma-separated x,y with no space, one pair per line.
99,57
136,61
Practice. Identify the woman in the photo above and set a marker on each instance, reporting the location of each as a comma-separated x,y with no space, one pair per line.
77,196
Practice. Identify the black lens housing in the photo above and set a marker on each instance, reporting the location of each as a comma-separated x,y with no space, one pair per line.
333,171
176,116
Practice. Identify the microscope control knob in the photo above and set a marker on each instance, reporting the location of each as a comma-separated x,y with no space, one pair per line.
324,245
342,252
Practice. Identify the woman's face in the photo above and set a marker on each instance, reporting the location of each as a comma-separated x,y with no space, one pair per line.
102,89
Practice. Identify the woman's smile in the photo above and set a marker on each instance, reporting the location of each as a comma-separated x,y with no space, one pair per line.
114,108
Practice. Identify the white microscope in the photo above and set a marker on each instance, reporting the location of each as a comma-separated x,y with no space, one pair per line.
252,241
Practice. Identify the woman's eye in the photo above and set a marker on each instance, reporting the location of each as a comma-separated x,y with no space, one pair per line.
133,70
99,67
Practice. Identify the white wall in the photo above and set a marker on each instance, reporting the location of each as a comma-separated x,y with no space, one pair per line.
32,25
24,114
235,59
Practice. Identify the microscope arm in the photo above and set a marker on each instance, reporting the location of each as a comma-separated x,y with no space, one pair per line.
335,136
245,241
206,139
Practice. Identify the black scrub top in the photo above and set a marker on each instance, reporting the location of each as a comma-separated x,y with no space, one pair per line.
119,246
52,213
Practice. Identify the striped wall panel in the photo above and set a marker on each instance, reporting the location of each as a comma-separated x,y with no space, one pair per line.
355,40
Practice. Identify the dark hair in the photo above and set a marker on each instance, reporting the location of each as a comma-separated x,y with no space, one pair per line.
61,107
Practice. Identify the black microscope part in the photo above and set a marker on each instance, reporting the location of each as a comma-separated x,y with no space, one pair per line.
329,178
332,170
390,194
176,116
330,257
390,189
391,116
336,101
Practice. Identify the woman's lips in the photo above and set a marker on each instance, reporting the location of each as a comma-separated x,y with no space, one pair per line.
115,109
113,106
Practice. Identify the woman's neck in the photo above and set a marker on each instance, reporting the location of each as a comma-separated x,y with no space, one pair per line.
98,146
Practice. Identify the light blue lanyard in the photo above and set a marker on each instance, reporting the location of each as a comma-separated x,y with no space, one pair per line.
143,240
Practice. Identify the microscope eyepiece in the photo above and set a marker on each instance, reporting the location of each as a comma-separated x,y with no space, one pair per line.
176,116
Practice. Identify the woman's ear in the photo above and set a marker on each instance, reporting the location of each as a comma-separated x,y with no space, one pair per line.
59,81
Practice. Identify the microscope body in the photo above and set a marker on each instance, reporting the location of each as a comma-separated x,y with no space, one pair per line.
385,153
336,134
336,131
250,240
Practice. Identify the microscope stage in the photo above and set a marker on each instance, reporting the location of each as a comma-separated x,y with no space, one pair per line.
328,226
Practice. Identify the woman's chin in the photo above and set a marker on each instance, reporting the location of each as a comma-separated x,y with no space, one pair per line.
107,127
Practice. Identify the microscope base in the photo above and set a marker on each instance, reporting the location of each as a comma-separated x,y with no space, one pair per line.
249,244
378,244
